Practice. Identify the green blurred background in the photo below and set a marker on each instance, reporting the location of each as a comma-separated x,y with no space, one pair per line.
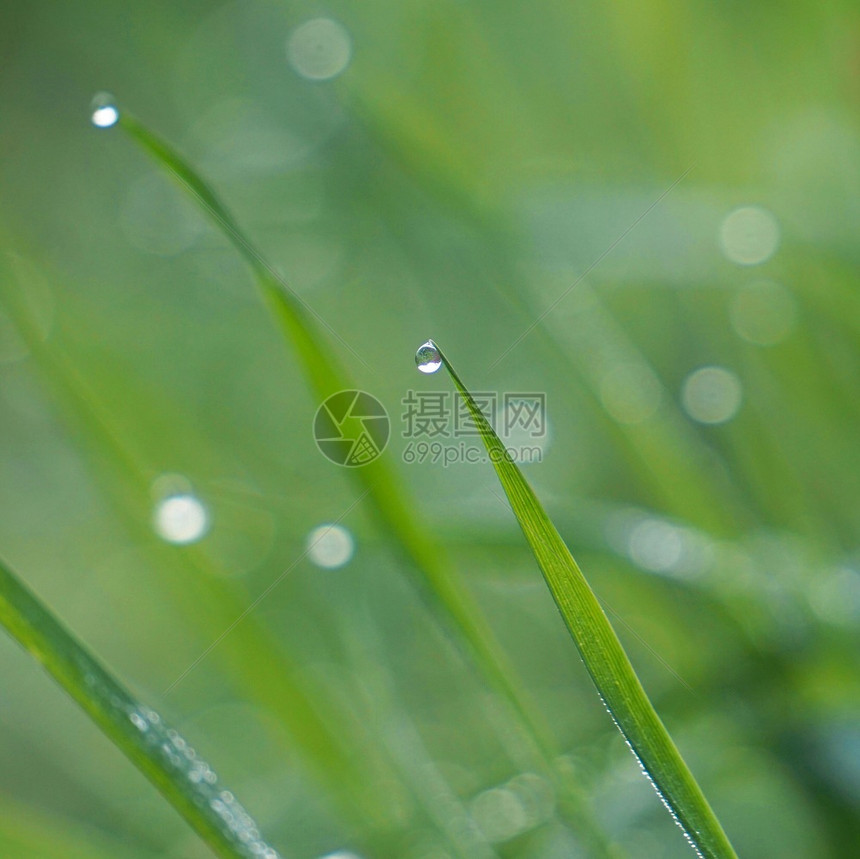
445,169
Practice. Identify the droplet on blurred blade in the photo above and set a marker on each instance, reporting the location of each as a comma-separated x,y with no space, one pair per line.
103,110
428,358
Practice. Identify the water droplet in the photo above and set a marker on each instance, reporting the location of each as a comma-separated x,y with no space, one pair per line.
103,110
428,358
204,788
139,721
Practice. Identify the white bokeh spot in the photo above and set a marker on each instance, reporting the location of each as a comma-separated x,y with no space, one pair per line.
655,545
711,395
330,546
181,519
749,235
319,49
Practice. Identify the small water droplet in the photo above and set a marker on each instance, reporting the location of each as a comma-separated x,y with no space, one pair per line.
103,110
138,721
428,358
202,784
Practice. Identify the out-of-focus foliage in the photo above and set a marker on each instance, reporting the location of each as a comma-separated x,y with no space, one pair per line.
445,169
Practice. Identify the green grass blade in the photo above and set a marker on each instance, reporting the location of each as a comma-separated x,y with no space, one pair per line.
442,590
164,757
255,664
293,314
400,130
602,652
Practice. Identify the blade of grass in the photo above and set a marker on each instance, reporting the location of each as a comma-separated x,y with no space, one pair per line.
443,591
398,129
160,753
602,652
260,666
263,669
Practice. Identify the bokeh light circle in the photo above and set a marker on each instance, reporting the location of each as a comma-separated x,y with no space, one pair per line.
711,395
319,49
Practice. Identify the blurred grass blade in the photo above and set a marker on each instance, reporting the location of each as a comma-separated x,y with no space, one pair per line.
602,652
667,447
435,581
163,756
255,663
294,315
30,833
